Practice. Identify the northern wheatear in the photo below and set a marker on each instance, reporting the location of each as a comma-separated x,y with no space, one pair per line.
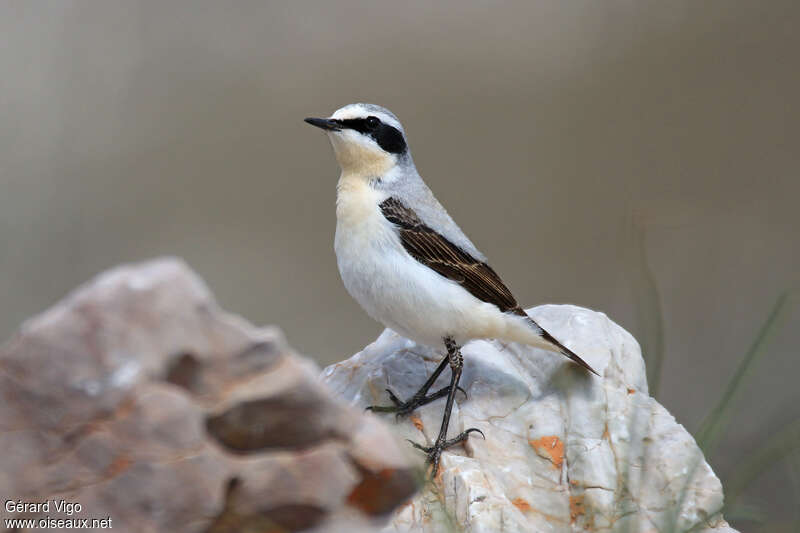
408,264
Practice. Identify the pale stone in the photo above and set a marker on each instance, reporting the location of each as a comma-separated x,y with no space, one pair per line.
139,399
564,451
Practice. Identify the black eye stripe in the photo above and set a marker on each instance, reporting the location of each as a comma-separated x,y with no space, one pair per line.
388,137
358,124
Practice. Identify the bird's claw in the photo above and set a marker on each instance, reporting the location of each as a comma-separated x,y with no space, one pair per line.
395,400
401,408
435,452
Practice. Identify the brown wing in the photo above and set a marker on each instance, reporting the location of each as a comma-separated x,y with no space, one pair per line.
439,254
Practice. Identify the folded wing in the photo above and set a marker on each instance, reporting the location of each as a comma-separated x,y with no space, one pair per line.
439,254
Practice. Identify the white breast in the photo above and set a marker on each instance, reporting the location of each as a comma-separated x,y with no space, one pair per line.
364,240
392,286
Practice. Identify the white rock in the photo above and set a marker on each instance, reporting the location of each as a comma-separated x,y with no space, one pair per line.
564,450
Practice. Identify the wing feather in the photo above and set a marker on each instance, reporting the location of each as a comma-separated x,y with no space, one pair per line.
441,255
438,253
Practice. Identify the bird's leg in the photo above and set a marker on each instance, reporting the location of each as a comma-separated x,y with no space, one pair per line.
419,399
456,361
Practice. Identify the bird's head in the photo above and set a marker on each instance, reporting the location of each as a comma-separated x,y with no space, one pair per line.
368,140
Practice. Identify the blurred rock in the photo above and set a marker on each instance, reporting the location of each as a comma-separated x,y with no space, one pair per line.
137,398
564,450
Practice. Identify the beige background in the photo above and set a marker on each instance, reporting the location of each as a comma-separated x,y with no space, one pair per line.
624,156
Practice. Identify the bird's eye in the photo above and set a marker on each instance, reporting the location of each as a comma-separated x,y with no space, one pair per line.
373,122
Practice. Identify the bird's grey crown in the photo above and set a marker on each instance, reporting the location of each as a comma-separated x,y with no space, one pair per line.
363,110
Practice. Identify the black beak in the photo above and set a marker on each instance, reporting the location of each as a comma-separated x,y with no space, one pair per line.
324,123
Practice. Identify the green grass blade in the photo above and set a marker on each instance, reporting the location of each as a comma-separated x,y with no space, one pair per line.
747,513
776,448
716,421
647,303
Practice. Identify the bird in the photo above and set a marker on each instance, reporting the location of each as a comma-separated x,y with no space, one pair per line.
408,264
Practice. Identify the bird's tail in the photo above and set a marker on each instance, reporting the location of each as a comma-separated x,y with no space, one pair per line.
554,342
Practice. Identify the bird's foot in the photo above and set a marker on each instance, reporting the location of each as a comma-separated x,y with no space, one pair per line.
401,408
435,452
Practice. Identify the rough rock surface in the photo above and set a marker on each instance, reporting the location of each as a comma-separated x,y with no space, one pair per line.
138,399
564,450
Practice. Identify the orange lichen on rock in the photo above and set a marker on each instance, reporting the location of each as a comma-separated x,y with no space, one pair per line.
521,504
575,507
438,478
552,447
416,421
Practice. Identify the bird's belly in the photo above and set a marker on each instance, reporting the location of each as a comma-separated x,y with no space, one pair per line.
393,287
406,296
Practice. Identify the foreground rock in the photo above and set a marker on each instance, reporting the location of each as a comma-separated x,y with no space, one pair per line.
564,450
142,402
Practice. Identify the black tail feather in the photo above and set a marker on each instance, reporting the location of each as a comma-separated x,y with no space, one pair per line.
566,351
552,340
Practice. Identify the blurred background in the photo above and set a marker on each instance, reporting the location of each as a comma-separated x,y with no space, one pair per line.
638,158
